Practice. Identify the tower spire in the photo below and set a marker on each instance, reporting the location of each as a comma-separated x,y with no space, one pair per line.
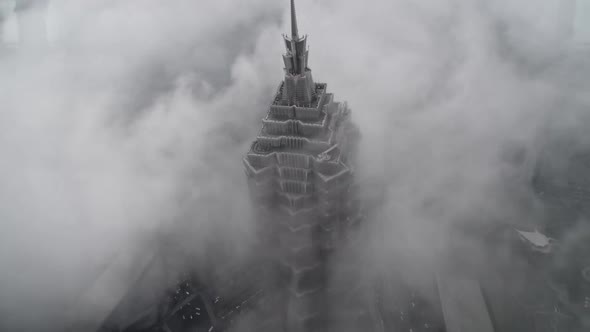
294,30
302,89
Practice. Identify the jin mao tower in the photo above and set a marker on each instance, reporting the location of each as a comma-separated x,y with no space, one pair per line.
300,175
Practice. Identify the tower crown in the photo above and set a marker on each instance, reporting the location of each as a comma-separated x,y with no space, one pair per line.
296,57
299,86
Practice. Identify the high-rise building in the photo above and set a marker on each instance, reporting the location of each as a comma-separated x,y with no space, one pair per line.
3,15
300,175
32,16
6,8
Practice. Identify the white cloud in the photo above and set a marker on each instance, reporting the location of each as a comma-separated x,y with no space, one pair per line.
140,112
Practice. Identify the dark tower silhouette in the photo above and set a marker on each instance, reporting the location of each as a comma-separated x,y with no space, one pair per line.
300,177
2,20
5,11
32,22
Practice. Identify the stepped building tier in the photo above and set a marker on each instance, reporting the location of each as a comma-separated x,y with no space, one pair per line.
301,180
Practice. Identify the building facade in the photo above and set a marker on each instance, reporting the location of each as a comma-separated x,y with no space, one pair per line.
300,175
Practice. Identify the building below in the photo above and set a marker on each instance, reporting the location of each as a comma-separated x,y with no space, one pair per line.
463,305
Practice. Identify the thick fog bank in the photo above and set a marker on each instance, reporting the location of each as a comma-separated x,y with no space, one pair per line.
133,121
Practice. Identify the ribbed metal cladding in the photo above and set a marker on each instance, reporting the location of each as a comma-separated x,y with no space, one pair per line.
301,137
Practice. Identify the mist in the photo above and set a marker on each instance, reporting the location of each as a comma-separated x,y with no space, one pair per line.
133,121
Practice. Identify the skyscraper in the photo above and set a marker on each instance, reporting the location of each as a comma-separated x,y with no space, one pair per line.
32,22
6,8
300,175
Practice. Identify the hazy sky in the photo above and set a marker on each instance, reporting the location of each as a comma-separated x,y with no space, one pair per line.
138,115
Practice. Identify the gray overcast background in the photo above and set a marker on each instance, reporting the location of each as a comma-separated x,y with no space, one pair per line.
134,122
